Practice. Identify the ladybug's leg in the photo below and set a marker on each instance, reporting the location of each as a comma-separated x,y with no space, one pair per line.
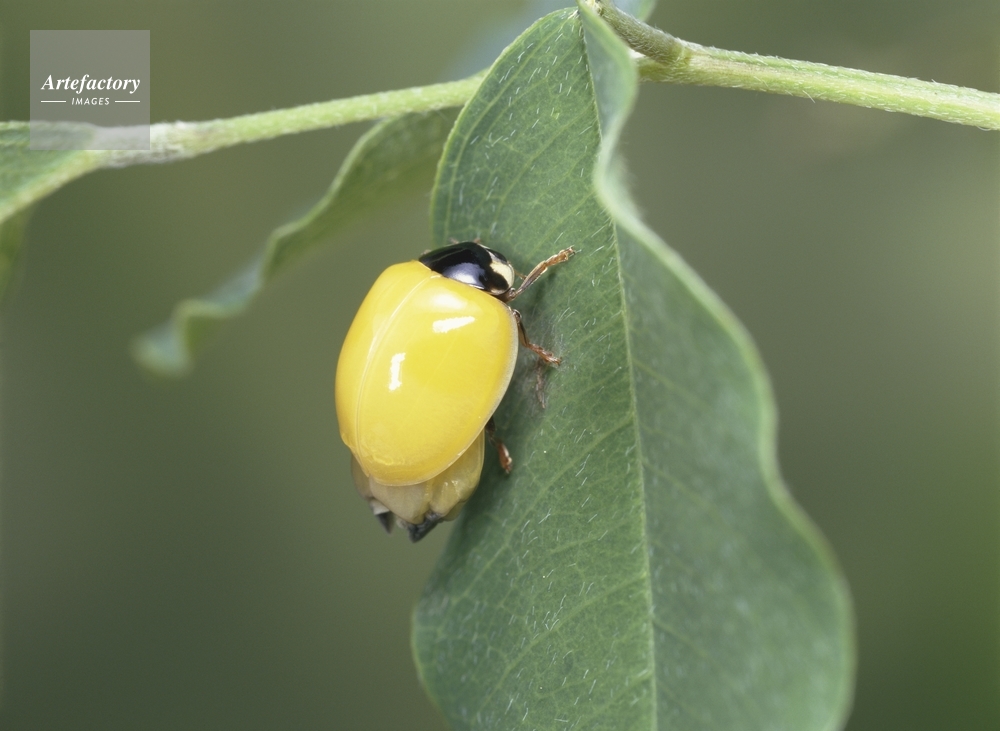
539,269
503,454
545,358
543,355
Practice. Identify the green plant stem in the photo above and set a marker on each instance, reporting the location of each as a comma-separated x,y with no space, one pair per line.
660,57
670,59
170,141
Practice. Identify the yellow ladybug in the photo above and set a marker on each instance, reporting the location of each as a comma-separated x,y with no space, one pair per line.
423,367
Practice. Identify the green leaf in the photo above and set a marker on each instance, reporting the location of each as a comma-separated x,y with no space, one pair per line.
643,567
27,176
11,239
394,157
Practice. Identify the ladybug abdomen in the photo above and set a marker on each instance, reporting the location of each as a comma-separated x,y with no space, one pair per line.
424,366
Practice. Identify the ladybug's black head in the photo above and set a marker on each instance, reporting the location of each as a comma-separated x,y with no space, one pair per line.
472,263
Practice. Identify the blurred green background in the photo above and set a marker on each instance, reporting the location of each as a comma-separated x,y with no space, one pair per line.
193,555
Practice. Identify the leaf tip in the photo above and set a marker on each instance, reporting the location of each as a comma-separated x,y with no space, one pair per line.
160,354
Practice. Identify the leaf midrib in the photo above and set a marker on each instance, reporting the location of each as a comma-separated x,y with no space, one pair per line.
638,452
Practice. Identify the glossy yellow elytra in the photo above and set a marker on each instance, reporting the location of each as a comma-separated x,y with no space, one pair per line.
423,367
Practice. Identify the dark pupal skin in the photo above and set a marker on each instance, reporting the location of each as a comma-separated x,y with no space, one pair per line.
473,264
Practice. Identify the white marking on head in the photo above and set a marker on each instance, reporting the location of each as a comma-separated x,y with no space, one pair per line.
504,270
